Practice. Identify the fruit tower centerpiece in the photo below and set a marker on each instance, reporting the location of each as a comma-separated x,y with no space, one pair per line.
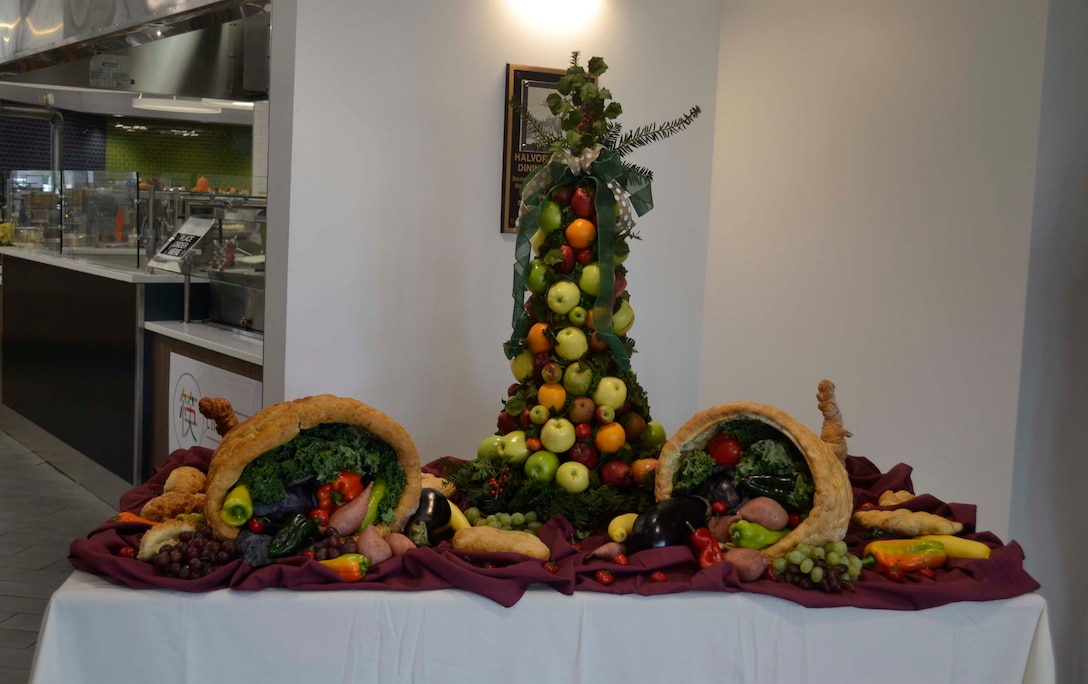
575,436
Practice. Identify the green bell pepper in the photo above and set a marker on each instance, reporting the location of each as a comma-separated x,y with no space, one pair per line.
237,507
752,535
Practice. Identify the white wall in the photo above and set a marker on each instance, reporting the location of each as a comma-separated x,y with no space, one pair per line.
1051,467
398,280
870,217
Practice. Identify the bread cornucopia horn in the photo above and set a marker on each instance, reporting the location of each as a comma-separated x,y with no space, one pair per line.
832,501
303,443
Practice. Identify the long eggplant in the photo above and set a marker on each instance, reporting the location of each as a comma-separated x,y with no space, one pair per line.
666,523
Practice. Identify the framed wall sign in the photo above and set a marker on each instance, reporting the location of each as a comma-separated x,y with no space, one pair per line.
530,85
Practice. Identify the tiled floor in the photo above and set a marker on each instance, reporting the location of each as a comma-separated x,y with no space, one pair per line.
41,512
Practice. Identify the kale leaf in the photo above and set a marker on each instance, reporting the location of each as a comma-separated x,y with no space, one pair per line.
696,467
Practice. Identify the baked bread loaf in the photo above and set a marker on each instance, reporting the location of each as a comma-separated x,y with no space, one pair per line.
907,523
278,424
833,500
172,504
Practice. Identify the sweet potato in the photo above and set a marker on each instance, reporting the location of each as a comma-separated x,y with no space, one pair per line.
373,545
719,527
765,511
348,517
400,543
750,564
608,550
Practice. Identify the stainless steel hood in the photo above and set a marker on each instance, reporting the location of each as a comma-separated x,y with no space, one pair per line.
192,48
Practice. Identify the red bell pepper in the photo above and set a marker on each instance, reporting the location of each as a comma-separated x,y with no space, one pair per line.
705,546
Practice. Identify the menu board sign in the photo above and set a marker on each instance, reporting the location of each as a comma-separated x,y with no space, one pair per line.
183,241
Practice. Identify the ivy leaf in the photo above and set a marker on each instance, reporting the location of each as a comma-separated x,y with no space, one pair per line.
597,66
613,110
563,86
555,103
605,93
589,92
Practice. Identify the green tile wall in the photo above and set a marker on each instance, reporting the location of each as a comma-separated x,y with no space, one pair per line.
180,152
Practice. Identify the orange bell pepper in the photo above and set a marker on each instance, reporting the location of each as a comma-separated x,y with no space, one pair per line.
350,567
907,555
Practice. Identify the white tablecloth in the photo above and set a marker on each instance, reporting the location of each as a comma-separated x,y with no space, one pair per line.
96,632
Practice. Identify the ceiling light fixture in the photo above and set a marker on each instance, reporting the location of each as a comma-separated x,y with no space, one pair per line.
164,104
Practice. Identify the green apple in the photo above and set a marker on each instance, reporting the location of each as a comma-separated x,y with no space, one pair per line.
551,217
557,435
577,316
563,296
513,448
541,466
622,250
654,434
489,447
539,414
571,343
538,279
610,391
522,366
623,318
590,282
573,477
577,378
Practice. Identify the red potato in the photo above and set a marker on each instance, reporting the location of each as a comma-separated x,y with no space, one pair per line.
373,545
750,564
765,511
348,517
400,543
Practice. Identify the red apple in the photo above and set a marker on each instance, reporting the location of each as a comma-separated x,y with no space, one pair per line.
525,419
552,372
596,342
584,453
539,361
561,195
633,425
566,265
621,284
584,257
581,202
618,474
507,423
512,389
581,410
604,414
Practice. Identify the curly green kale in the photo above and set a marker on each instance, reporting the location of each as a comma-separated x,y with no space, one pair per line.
696,467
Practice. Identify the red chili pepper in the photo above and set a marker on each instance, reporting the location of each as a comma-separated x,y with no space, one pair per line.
605,577
127,552
255,525
705,545
620,559
551,566
719,508
658,576
320,516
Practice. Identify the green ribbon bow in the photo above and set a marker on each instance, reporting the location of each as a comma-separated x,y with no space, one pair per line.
607,168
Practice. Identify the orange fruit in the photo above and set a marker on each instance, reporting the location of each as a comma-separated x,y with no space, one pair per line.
553,395
610,437
538,342
581,233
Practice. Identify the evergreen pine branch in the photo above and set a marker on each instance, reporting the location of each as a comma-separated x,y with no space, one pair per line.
539,135
640,137
636,170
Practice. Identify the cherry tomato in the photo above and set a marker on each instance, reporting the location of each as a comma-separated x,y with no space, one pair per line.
320,516
719,508
127,552
658,576
534,443
308,553
605,577
894,574
583,430
620,559
927,573
255,526
795,520
551,566
724,450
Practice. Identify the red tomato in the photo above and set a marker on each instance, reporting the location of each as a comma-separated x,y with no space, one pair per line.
795,520
927,573
308,553
127,552
581,202
255,526
605,577
894,574
724,450
719,508
658,576
320,516
551,566
534,443
620,559
583,430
